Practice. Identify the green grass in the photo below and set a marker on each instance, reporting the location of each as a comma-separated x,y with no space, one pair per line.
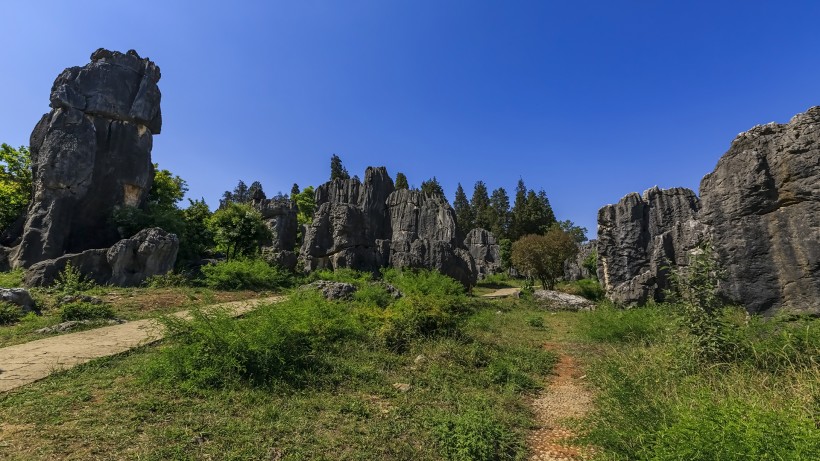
11,279
465,400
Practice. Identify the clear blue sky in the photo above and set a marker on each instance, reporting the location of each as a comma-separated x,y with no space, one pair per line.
588,100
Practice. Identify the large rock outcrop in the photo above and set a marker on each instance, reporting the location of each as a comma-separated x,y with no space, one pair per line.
762,207
128,262
280,217
90,154
575,268
485,251
640,237
759,209
369,225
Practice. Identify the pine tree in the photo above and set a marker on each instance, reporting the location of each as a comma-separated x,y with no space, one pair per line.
294,191
432,187
518,213
480,204
500,206
255,192
337,170
401,181
464,213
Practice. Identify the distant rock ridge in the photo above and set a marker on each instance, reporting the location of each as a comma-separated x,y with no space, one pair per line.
369,225
759,208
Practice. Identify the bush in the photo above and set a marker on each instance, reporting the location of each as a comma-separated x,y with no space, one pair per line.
169,280
287,342
775,345
71,281
85,311
9,313
11,279
613,325
587,288
245,274
476,435
342,275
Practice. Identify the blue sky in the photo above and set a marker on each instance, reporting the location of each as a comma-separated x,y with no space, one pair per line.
588,100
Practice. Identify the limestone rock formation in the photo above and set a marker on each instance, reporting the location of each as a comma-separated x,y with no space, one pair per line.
19,297
90,154
369,225
762,207
640,237
129,262
280,217
485,251
574,268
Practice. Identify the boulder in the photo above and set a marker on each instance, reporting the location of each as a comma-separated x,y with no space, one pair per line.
556,300
129,262
334,291
90,154
19,297
574,267
484,249
641,237
761,206
280,217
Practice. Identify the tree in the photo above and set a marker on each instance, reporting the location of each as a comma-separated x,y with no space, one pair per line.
464,214
500,206
517,215
240,194
238,229
401,181
480,204
542,256
432,187
337,170
306,203
294,191
255,192
197,238
161,207
167,190
578,233
15,183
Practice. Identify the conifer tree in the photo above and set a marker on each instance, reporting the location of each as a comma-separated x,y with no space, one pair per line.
500,206
464,213
337,170
480,204
401,181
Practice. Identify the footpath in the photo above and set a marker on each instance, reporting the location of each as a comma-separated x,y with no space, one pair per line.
22,364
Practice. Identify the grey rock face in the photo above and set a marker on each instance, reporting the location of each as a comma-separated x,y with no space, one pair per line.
555,300
369,225
19,297
334,291
762,207
280,217
5,255
128,263
574,267
640,237
90,154
485,251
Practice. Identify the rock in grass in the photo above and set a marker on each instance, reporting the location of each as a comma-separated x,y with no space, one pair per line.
18,297
556,300
334,291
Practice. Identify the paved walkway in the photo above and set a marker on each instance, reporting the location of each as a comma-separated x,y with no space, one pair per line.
25,363
502,293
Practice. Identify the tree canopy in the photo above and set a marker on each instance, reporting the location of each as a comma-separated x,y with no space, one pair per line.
542,256
432,187
337,170
238,229
401,181
464,214
15,183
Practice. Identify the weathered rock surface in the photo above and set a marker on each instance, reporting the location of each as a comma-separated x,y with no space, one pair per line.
334,291
90,154
5,255
640,237
762,206
127,263
19,297
484,249
370,225
280,217
574,267
556,300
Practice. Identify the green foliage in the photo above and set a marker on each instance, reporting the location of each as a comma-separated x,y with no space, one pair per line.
241,194
475,434
578,233
337,170
505,253
531,212
196,238
245,274
306,202
161,209
85,311
71,281
542,256
169,280
12,278
9,313
290,342
238,230
344,275
590,263
167,190
464,213
608,324
432,188
536,322
480,206
590,289
500,213
15,183
401,181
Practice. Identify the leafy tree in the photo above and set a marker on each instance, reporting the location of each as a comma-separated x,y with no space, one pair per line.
500,206
167,190
337,170
480,204
238,229
15,183
306,203
578,233
241,194
542,256
432,187
464,214
161,208
401,181
505,253
197,238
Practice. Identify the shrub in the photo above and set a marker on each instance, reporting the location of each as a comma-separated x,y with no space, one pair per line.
11,279
587,288
613,325
775,345
476,435
9,313
415,316
85,311
70,281
245,274
169,280
343,275
424,282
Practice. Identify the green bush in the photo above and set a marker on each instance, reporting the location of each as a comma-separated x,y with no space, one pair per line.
11,279
587,288
476,435
288,342
245,274
169,280
613,325
342,275
85,311
424,282
776,345
9,313
70,281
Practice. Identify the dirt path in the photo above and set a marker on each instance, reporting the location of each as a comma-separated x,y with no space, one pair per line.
502,293
564,397
25,363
